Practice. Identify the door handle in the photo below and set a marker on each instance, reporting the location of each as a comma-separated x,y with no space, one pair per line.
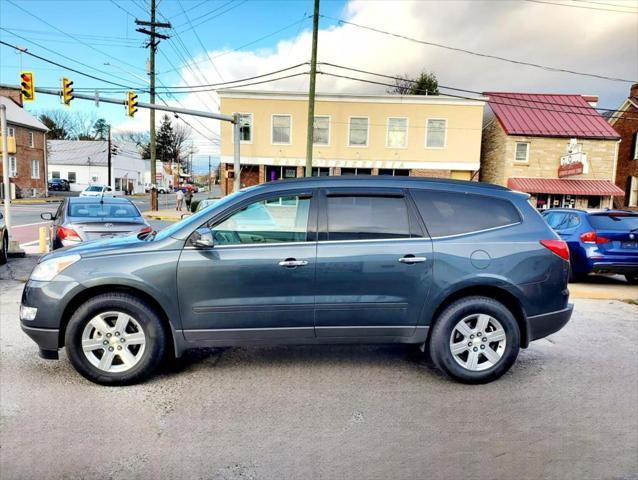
292,263
412,259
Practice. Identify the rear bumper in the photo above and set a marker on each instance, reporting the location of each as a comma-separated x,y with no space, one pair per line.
615,267
540,326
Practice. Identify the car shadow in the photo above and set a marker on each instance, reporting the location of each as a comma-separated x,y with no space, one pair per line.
601,279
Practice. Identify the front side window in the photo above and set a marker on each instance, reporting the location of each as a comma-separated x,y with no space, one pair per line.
281,129
321,131
397,133
245,127
274,220
448,213
13,167
35,169
358,132
367,218
435,133
522,152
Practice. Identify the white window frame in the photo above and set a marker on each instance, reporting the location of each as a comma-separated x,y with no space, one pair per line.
252,129
272,128
632,201
529,146
11,132
36,164
31,140
367,132
427,124
635,139
387,132
13,167
329,117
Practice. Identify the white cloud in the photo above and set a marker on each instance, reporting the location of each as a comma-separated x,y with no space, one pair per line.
575,38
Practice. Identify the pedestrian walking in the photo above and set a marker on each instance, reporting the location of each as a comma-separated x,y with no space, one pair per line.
188,197
180,200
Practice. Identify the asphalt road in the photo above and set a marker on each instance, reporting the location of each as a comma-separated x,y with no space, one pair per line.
567,410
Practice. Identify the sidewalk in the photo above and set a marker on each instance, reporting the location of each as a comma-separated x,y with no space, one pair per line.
36,200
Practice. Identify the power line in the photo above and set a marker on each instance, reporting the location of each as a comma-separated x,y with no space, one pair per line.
64,66
86,36
232,7
478,54
607,4
579,6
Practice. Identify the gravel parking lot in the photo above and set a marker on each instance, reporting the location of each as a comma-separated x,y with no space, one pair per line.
568,409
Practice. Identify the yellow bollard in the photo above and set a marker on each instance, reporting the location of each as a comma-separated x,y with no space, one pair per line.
43,243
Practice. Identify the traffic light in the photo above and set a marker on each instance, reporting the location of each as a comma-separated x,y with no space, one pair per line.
27,86
67,91
131,104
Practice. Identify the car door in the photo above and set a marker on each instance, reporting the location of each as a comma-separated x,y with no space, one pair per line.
374,264
257,280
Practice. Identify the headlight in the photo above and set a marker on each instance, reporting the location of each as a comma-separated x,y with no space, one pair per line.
47,270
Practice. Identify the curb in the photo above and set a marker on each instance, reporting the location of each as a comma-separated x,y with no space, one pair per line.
163,218
35,200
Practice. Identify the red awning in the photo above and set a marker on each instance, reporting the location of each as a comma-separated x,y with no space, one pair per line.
564,186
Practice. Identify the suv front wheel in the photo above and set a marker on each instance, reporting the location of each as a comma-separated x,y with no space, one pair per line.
475,340
115,339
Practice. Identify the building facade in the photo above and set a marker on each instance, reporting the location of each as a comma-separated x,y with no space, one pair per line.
557,148
435,136
27,149
625,122
83,162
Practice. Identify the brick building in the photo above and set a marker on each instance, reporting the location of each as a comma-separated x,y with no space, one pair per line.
625,122
557,148
27,164
354,134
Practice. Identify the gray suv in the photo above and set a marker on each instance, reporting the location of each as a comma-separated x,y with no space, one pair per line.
468,271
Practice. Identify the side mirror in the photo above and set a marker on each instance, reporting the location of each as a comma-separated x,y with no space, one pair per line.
202,241
47,216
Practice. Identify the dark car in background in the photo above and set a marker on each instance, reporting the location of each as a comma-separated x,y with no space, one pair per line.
83,219
469,271
4,241
599,241
59,184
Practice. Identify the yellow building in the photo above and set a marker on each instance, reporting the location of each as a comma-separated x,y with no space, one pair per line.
435,136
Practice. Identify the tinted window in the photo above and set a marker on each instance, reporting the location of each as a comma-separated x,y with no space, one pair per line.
447,213
275,220
363,218
614,222
97,210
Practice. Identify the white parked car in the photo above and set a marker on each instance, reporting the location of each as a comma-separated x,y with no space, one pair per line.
97,190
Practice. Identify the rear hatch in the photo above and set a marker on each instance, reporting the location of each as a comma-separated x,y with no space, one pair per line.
621,231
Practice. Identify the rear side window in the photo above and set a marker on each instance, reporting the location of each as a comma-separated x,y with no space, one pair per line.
614,222
562,220
367,218
448,213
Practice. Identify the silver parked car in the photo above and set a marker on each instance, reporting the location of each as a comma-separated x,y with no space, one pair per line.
82,219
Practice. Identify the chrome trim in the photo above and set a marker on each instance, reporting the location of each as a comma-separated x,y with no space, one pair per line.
359,327
477,231
412,260
293,263
197,330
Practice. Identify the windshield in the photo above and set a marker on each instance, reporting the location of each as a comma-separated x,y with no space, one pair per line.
198,218
94,188
614,222
100,210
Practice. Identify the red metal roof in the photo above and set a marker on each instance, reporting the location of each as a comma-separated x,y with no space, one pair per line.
551,115
565,186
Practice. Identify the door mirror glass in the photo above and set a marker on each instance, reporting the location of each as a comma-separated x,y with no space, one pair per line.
280,219
46,216
202,238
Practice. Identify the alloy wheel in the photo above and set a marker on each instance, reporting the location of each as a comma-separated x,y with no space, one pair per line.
113,342
477,342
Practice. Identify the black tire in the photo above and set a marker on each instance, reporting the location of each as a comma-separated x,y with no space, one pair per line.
148,319
445,324
632,278
576,277
4,249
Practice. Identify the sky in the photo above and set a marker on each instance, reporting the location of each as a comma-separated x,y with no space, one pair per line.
214,41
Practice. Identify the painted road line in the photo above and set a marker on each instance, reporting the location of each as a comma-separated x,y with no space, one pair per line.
13,227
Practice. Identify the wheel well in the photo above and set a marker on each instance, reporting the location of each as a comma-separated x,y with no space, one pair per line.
498,294
85,295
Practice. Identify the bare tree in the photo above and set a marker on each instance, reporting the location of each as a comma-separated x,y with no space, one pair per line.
141,139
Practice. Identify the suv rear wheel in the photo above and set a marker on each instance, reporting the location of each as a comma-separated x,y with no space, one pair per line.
632,278
115,339
475,340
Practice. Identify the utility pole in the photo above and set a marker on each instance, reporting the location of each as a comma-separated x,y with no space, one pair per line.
311,92
108,158
210,185
5,167
152,44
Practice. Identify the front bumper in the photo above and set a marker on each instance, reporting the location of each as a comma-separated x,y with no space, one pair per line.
540,326
46,338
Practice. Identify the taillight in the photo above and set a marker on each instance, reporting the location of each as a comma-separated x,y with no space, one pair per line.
146,229
592,237
558,247
65,233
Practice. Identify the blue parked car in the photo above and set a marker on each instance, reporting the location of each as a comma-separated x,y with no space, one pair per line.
600,241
